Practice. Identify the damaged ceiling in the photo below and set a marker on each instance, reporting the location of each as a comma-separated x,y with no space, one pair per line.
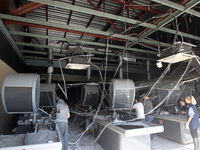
102,29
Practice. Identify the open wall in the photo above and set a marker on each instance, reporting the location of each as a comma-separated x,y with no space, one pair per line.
5,119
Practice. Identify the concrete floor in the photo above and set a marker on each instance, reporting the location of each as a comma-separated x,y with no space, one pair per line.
163,144
85,143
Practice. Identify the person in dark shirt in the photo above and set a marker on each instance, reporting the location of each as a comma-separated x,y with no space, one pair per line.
148,106
62,121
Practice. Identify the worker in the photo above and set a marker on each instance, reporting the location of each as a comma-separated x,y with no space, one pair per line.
77,110
139,108
193,120
62,121
148,107
182,107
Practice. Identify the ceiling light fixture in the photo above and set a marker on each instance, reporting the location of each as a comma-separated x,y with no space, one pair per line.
77,66
78,62
175,58
177,53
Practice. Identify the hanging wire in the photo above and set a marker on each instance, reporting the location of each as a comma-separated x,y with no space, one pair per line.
187,25
188,66
104,91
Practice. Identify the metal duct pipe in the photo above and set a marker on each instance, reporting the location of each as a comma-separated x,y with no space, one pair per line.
89,70
120,67
148,70
50,63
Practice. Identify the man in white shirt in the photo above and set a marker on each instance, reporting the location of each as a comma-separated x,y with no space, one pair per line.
139,108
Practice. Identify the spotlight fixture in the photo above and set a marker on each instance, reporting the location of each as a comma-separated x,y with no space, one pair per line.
77,66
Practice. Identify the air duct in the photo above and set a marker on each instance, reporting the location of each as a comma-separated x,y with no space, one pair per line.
120,67
148,70
50,64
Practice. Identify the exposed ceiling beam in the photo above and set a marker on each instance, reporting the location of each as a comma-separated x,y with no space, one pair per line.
137,14
168,19
183,2
42,53
43,62
26,9
73,29
70,15
80,41
63,55
105,18
137,6
107,27
91,18
85,49
178,7
89,11
110,16
143,12
56,59
11,40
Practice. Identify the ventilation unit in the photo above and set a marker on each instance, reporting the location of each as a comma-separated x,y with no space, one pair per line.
89,94
121,93
21,93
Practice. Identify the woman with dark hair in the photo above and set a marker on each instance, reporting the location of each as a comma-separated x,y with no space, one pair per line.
193,120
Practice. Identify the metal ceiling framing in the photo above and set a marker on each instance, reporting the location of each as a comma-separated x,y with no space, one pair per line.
73,29
146,9
26,9
110,16
178,7
40,61
82,42
11,40
91,52
112,21
165,21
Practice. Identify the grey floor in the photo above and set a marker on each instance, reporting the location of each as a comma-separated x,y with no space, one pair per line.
85,143
163,144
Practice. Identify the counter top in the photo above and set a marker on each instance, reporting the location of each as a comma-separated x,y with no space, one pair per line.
176,118
147,128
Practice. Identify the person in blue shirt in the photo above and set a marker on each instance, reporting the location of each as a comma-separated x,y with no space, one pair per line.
193,120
